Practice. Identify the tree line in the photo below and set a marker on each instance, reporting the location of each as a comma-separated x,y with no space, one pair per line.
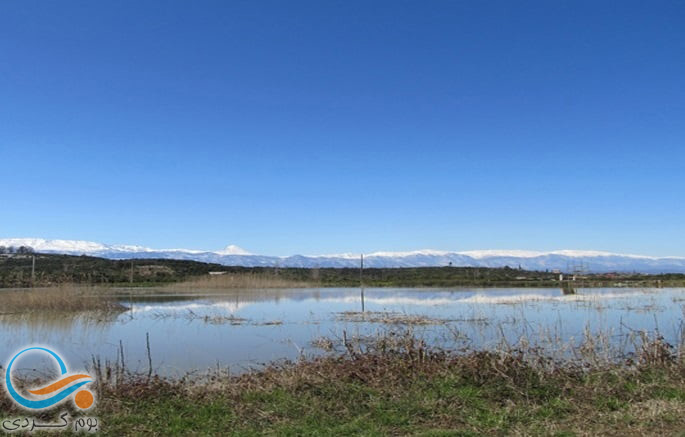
11,250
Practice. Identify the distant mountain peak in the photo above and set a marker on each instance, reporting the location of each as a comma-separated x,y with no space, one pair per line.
232,249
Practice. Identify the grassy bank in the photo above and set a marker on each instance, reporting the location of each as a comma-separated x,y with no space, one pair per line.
406,389
474,395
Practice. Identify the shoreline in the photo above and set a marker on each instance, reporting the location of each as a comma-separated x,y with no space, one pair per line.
55,270
405,388
169,287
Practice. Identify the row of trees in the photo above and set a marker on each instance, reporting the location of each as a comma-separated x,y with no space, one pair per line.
21,250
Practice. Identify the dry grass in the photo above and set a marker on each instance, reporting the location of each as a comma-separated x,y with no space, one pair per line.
62,298
214,319
238,281
390,318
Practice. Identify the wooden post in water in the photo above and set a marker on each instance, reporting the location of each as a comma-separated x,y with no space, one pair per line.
361,279
361,271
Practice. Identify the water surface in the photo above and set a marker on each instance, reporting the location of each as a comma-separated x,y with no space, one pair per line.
242,329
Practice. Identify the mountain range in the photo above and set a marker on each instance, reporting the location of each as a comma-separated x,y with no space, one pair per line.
563,260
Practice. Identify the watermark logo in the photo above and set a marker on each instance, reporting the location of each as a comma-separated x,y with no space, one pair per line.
55,392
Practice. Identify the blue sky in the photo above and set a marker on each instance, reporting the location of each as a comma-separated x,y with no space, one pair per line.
345,126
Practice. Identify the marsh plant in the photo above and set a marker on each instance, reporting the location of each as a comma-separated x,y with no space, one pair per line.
63,298
239,280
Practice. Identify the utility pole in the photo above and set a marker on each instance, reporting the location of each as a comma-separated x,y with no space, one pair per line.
130,278
33,270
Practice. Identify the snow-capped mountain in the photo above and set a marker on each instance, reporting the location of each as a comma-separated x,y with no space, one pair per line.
563,260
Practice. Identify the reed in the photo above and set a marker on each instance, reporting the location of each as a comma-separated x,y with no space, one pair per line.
70,298
246,280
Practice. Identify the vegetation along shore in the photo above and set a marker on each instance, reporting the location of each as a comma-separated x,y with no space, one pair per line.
399,386
21,270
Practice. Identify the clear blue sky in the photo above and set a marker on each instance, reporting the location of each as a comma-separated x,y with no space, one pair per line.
345,126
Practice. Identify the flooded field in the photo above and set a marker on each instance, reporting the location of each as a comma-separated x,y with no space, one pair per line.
243,329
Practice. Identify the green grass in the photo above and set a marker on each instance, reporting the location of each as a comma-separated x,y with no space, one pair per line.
448,404
404,391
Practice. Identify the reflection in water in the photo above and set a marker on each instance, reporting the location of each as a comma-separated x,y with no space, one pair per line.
480,318
57,320
36,327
